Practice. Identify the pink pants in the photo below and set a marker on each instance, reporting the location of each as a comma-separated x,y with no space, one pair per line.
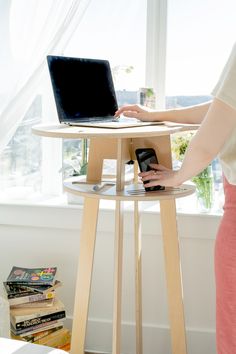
225,273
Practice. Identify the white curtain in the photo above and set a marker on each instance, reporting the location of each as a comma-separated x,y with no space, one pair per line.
29,31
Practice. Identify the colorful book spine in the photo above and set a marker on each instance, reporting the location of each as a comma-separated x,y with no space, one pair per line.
31,276
32,338
40,320
59,337
34,329
30,298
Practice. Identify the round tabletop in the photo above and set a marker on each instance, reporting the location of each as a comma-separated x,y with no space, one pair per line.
75,132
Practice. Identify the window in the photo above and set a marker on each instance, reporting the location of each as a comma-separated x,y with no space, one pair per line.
20,162
108,33
200,37
117,33
114,30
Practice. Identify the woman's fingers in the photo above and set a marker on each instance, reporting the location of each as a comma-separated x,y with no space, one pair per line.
155,168
156,175
134,111
158,167
128,109
131,114
162,176
125,110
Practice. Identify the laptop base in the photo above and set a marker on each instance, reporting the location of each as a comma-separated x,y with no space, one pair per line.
115,124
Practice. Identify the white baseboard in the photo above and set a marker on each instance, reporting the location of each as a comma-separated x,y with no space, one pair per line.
156,338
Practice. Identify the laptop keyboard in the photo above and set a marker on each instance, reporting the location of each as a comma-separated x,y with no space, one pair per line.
101,119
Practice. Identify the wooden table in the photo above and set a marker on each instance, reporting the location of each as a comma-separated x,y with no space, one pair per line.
120,144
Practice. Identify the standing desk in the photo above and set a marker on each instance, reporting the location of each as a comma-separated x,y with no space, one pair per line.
120,144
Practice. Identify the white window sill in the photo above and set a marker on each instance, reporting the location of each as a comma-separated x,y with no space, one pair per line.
186,205
25,196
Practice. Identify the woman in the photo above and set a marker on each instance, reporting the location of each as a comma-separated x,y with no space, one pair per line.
216,136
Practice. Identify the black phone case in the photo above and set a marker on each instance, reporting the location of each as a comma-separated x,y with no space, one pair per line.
145,156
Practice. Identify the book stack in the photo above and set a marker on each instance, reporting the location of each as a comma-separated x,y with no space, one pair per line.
36,314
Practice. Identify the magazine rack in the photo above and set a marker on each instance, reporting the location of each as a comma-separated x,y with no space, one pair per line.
120,144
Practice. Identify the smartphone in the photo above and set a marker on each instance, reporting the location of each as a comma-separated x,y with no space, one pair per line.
144,157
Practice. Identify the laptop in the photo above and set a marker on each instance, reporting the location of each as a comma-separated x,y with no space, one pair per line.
84,93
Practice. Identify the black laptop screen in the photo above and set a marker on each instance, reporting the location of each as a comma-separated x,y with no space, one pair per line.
83,88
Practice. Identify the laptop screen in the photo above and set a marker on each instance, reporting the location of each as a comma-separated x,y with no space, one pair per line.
83,88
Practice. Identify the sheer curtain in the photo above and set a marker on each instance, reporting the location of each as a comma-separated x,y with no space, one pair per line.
29,30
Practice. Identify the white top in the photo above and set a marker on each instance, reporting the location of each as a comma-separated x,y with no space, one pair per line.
12,346
225,91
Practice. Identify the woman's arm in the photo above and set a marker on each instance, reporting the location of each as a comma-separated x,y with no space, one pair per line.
192,114
215,130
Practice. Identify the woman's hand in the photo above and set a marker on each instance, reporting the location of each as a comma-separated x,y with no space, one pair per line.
136,111
160,176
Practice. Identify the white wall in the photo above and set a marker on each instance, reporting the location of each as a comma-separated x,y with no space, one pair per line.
33,236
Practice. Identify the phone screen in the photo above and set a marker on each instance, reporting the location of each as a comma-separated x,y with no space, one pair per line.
145,157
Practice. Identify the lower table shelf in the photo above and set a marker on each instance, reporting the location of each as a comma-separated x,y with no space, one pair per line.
107,190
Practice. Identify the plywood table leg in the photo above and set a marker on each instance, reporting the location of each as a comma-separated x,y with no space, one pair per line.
173,276
138,279
117,306
84,275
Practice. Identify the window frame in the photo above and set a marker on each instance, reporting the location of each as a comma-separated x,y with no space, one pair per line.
156,44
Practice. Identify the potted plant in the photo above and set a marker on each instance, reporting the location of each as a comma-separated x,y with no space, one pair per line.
75,159
204,180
